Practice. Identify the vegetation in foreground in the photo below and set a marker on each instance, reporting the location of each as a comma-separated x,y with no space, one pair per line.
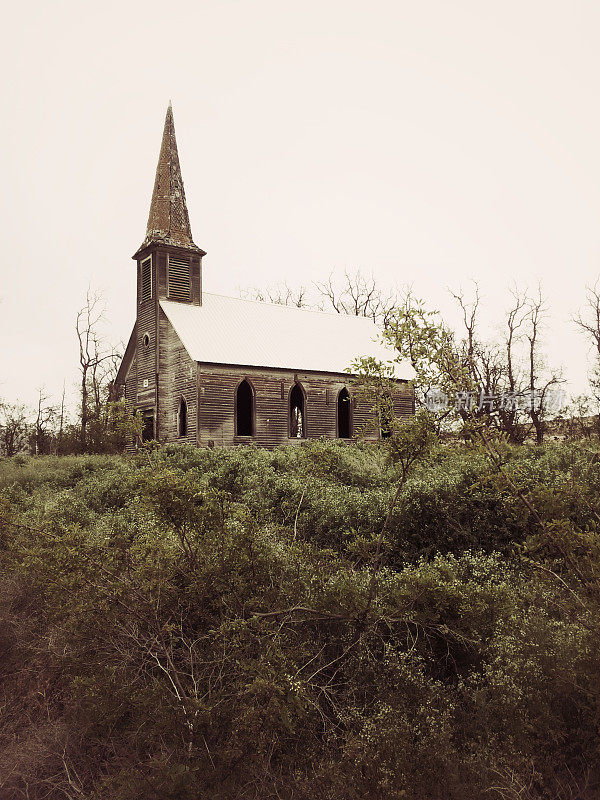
210,624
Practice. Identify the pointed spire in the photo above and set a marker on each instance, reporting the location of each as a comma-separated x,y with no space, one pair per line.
168,221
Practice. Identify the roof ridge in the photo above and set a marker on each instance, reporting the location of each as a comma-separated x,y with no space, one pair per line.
270,303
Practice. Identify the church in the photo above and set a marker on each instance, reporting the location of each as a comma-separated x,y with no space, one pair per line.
218,371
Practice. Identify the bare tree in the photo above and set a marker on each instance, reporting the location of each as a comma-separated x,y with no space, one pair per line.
470,311
353,294
42,434
281,294
515,318
537,372
97,361
515,370
588,322
358,296
62,419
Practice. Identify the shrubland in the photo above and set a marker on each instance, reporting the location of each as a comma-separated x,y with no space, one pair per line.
223,624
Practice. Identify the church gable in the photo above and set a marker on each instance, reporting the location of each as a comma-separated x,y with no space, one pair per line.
177,387
127,360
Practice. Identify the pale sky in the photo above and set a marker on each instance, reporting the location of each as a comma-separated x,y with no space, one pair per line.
428,142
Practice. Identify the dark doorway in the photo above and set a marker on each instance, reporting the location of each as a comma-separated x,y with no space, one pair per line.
343,415
297,416
182,418
148,427
244,410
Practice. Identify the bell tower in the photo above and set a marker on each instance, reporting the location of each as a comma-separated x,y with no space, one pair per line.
169,267
169,263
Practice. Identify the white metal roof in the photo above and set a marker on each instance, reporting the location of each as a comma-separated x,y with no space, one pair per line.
229,330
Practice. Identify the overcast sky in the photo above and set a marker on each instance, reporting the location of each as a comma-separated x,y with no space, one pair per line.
428,142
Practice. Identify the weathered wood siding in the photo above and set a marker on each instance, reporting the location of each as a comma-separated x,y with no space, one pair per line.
162,372
195,275
177,379
130,386
404,402
146,355
148,362
216,405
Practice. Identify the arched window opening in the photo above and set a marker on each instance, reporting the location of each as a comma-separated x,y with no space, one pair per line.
386,417
297,413
244,410
344,426
182,418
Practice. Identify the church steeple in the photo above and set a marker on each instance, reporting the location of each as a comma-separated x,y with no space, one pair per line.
168,221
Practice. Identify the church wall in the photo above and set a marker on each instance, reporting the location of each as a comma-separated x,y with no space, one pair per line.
209,392
177,379
128,391
146,353
404,403
216,405
130,388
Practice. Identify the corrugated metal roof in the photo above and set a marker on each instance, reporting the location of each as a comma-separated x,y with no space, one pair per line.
229,330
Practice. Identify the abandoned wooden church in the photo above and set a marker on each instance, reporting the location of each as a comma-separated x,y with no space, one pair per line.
212,370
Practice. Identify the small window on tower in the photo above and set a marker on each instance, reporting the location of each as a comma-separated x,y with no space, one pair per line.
146,279
179,279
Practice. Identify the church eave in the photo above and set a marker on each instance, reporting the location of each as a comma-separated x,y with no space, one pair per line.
127,357
168,242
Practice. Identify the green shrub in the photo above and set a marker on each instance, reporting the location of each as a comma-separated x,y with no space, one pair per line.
195,623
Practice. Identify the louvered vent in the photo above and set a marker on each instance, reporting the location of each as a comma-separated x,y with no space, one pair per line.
179,279
146,268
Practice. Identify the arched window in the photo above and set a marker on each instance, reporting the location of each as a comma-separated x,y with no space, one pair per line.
386,417
182,418
344,422
297,413
244,410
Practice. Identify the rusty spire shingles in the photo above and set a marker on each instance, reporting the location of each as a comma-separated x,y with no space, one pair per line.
168,221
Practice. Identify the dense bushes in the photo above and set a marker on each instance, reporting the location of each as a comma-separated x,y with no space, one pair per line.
195,623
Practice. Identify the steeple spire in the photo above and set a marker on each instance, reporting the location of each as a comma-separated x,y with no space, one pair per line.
168,221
